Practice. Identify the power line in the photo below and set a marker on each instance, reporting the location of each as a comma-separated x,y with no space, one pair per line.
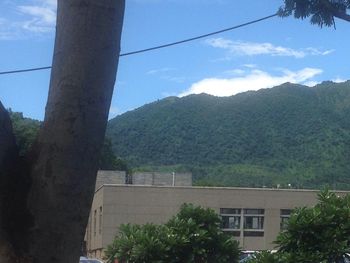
158,47
198,37
24,70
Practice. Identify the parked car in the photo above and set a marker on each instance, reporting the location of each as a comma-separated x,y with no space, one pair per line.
246,255
89,260
345,259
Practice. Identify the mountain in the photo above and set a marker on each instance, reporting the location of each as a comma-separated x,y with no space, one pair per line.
26,131
287,135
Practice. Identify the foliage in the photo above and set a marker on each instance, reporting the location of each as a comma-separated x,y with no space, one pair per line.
193,235
322,12
26,130
108,160
137,243
291,134
318,234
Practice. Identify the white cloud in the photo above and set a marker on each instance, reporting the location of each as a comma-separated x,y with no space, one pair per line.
174,79
40,18
242,48
235,72
36,17
7,31
159,70
338,80
114,111
311,83
250,65
253,80
168,94
164,74
316,52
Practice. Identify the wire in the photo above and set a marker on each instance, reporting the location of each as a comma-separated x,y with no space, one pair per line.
198,37
160,46
24,70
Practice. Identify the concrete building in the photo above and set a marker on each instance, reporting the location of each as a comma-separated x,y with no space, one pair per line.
253,216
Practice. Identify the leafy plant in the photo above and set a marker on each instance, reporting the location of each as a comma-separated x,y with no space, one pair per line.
318,234
193,235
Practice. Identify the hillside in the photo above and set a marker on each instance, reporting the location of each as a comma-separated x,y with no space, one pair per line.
290,134
26,131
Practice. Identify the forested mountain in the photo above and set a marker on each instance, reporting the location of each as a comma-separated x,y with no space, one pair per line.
290,134
26,130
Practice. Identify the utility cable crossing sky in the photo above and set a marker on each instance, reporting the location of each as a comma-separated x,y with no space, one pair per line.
156,47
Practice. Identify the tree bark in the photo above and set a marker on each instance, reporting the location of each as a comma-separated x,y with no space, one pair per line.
63,162
8,159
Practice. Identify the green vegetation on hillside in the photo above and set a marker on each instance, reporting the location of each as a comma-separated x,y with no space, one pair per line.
26,130
288,135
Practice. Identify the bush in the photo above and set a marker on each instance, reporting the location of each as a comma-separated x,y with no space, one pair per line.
193,235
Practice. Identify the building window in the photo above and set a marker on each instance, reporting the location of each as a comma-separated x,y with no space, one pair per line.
230,211
100,221
95,212
285,215
231,222
88,233
253,222
252,219
231,218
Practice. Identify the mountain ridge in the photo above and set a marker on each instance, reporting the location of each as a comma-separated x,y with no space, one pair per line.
289,134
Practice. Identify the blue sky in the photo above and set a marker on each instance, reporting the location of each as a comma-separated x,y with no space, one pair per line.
258,56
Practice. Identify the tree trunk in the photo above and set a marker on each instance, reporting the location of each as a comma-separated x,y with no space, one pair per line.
8,160
63,162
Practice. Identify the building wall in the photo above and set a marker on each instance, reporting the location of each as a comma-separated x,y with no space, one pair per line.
94,230
123,204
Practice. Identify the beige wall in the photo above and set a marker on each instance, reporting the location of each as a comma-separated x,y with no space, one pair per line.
93,235
156,204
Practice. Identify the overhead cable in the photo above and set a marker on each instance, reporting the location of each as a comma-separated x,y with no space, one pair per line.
157,47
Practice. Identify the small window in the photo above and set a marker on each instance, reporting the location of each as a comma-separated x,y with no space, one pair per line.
230,211
231,222
95,212
286,212
253,219
253,222
285,215
250,211
100,221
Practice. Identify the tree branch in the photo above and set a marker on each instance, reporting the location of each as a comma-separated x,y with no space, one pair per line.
341,15
336,12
